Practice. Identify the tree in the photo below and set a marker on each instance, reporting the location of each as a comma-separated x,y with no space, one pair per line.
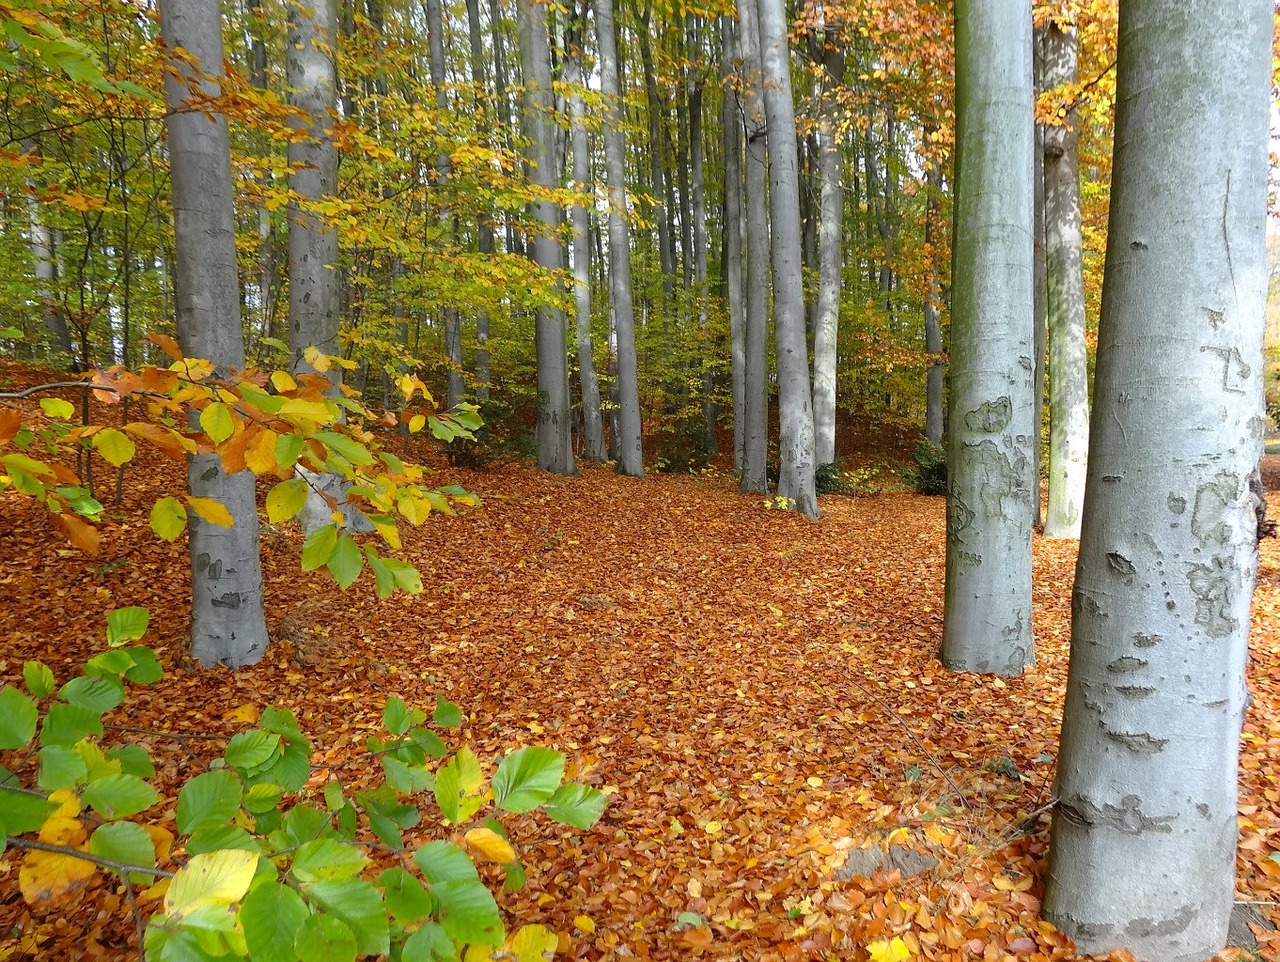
227,620
795,404
987,619
628,442
1064,276
1143,845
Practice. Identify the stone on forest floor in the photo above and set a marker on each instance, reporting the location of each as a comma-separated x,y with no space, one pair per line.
867,861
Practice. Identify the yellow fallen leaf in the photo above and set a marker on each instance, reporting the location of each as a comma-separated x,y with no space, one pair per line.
893,950
897,835
814,781
245,713
584,923
491,845
713,828
533,943
695,888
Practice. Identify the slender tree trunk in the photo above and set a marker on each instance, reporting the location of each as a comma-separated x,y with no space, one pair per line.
659,180
1064,266
987,619
267,280
733,255
227,621
1144,833
698,197
933,420
827,314
795,404
629,449
1041,287
755,447
55,321
484,230
554,431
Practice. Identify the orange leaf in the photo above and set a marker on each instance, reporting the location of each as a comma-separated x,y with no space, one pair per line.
10,422
80,533
166,344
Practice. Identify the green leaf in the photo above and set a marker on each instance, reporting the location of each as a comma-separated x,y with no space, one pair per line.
288,447
261,799
429,944
443,861
429,742
63,724
252,749
18,717
61,767
324,938
526,778
457,786
115,796
214,878
38,678
688,919
22,813
346,562
217,422
406,575
291,770
397,718
358,904
133,760
407,779
57,408
126,624
168,519
447,714
406,899
468,912
348,448
146,669
96,694
273,915
576,804
516,878
319,547
116,447
384,580
326,859
125,842
286,499
283,722
208,800
218,837
303,824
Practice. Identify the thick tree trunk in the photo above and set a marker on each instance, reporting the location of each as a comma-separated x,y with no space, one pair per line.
831,232
701,294
733,247
1041,293
1143,848
628,442
755,446
268,282
227,622
933,419
554,430
987,619
1064,275
795,404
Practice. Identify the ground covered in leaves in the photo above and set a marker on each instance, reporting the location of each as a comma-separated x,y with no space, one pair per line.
756,693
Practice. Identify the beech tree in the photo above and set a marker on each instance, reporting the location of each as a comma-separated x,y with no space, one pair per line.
987,619
227,620
1143,846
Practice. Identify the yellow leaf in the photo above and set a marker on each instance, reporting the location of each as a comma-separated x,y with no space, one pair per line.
260,455
893,950
533,943
814,781
215,512
897,835
245,713
50,875
68,803
417,423
584,923
317,359
62,830
212,878
156,891
162,839
317,411
491,845
713,828
282,381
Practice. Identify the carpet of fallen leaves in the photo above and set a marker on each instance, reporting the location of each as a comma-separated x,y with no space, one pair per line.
756,693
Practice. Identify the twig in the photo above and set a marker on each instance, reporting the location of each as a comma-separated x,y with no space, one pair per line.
123,868
137,917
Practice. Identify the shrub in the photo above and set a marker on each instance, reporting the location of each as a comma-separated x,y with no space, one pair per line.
503,434
929,476
683,448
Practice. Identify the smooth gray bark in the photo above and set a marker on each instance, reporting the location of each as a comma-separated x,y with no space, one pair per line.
1143,844
1041,300
755,429
987,617
933,418
795,403
733,255
227,621
830,257
592,423
628,442
554,430
1064,277
42,256
484,230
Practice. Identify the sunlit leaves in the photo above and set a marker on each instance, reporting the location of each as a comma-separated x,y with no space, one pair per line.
526,778
168,518
286,499
18,718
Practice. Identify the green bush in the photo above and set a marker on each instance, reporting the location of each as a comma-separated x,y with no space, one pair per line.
503,434
682,448
929,476
270,871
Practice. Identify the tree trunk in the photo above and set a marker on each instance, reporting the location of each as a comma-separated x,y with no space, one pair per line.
54,320
933,420
227,621
554,430
628,441
827,314
267,280
1143,845
698,196
795,404
987,619
1041,293
755,447
484,230
659,180
1064,275
732,257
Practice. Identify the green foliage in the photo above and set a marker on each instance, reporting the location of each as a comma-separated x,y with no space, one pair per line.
683,447
503,434
929,476
272,873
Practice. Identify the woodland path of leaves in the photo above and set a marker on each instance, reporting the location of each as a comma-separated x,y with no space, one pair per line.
757,693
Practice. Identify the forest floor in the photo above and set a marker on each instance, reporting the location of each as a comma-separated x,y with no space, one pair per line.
757,694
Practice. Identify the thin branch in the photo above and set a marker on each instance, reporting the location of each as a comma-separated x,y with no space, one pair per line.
123,868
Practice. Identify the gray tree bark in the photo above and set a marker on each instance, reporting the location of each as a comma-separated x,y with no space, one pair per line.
933,418
1041,298
227,621
484,230
830,257
1143,844
1064,277
987,618
755,446
42,256
733,255
554,430
795,404
628,443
